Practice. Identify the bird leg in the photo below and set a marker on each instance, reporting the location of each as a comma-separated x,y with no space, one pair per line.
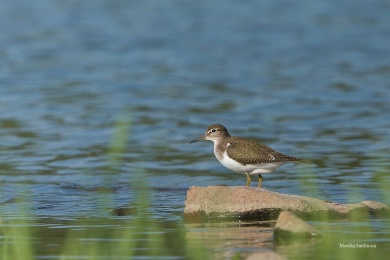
248,179
260,181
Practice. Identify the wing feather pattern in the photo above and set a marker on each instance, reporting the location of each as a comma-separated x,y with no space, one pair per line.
250,152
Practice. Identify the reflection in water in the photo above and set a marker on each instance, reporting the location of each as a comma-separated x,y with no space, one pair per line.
230,239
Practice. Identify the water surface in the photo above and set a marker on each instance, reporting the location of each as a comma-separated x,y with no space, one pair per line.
309,79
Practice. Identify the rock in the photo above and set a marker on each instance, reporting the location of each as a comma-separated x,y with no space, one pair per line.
268,255
289,225
252,203
124,211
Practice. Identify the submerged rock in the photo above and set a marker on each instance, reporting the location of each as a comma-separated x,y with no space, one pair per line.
289,225
252,203
124,211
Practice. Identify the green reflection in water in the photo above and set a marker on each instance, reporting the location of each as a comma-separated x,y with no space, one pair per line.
118,237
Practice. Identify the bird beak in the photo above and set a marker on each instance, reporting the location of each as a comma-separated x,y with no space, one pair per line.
200,138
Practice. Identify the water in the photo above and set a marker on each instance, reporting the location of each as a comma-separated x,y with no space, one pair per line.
310,79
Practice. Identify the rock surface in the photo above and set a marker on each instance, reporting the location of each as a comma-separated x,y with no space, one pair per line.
289,225
252,203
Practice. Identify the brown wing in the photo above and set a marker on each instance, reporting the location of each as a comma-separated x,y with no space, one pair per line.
250,152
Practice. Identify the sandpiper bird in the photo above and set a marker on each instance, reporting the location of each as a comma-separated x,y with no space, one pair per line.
243,155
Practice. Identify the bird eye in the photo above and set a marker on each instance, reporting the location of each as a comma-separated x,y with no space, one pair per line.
214,130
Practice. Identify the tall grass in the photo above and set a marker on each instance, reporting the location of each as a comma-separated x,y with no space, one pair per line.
16,241
146,236
356,236
127,237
